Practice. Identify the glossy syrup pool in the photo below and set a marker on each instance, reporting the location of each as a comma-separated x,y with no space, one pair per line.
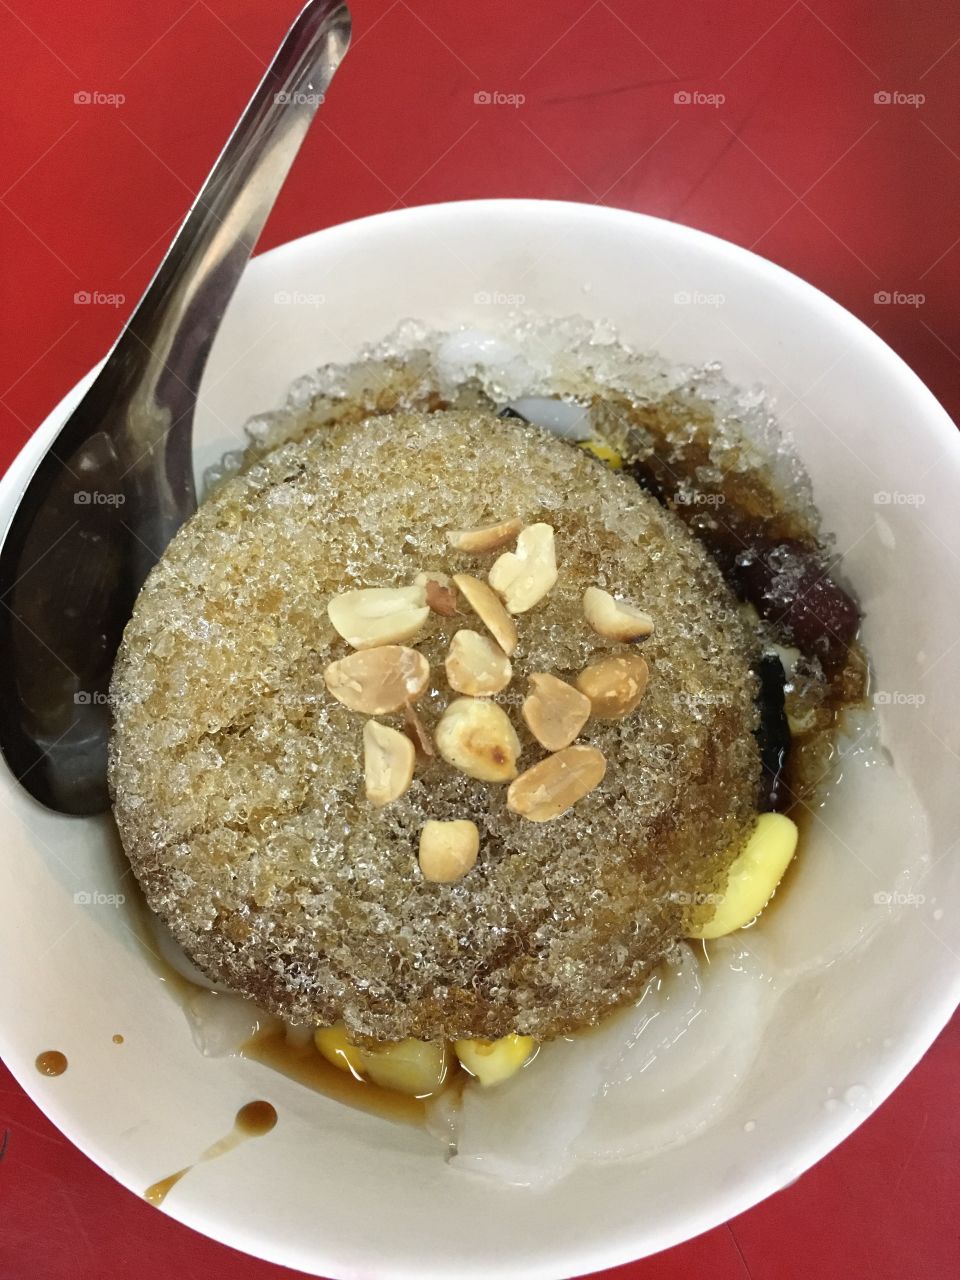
224,1025
301,1062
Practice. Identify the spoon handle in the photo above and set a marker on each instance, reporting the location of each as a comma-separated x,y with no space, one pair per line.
159,359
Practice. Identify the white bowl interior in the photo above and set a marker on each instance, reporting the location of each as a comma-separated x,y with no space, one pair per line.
338,1193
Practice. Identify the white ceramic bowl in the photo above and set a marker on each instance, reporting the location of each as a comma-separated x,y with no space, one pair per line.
342,1194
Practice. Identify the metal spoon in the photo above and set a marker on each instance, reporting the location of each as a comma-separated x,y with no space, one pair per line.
117,482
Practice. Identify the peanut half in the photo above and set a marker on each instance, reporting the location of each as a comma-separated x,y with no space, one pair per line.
388,760
615,619
376,681
614,685
556,784
477,738
523,577
448,850
489,609
489,538
476,665
379,615
554,711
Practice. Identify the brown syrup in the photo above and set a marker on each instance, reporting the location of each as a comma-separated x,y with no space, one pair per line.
182,987
252,1121
300,1062
51,1063
118,1039
740,518
303,1063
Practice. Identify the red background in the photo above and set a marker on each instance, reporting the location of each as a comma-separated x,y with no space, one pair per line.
798,161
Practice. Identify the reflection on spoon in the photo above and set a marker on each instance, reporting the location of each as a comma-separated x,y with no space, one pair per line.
252,1121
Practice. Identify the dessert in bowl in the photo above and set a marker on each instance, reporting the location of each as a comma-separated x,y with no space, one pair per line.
375,587
241,711
215,859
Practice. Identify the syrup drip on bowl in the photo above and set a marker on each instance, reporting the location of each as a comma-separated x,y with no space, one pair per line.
51,1063
252,1121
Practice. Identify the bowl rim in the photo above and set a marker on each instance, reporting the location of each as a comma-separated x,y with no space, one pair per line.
931,1016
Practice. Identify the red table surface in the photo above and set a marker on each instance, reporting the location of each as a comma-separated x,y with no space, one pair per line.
798,159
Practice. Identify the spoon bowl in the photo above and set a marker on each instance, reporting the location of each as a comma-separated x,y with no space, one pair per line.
117,481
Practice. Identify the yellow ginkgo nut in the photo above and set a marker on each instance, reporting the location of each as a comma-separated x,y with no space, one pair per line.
754,875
